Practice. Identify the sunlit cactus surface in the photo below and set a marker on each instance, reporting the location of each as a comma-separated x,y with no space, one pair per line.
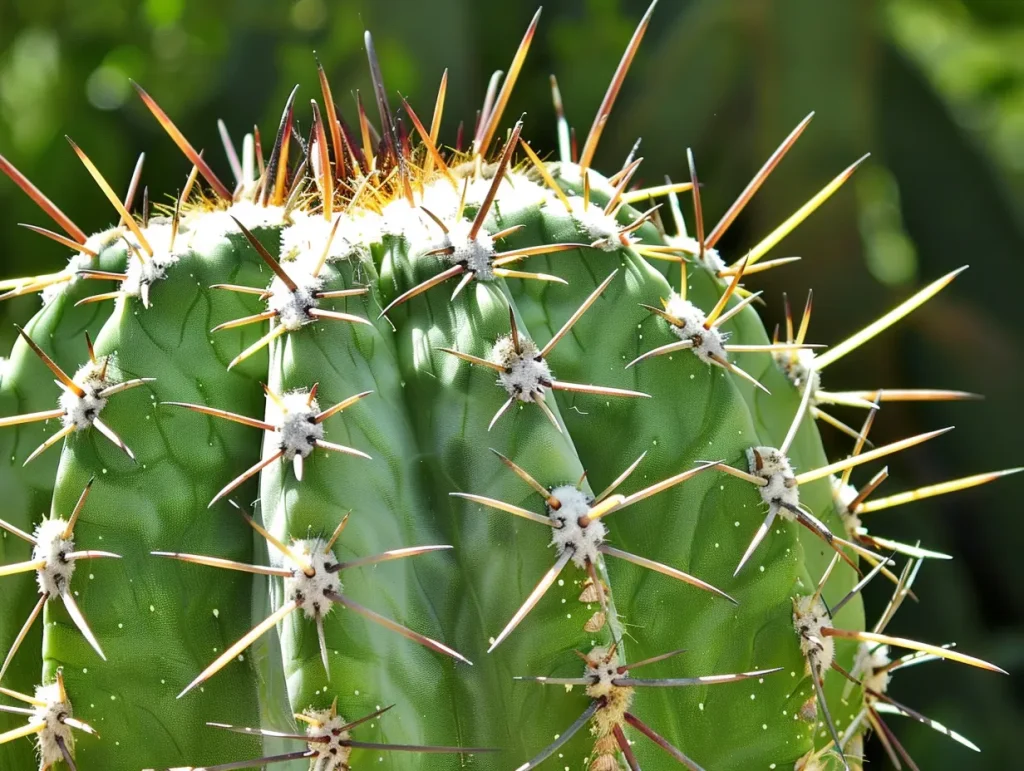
418,452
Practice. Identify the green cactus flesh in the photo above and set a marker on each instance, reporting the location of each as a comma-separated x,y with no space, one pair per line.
397,487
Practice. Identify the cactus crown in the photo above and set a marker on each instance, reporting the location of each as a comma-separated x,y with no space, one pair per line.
288,342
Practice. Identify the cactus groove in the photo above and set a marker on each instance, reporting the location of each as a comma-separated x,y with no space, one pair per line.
403,455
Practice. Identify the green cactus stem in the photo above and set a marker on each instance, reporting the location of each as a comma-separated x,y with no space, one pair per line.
398,455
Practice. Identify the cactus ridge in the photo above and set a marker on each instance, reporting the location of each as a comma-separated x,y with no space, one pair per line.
373,348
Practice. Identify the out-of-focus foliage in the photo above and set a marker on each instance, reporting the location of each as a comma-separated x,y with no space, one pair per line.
933,88
971,54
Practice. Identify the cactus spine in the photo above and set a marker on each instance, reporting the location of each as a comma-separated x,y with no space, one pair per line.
366,448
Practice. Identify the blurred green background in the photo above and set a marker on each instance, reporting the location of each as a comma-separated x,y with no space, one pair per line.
934,89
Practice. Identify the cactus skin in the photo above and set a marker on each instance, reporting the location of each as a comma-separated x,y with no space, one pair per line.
424,416
453,436
140,605
388,512
705,417
25,386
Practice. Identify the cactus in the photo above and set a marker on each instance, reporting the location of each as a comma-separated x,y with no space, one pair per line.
348,465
